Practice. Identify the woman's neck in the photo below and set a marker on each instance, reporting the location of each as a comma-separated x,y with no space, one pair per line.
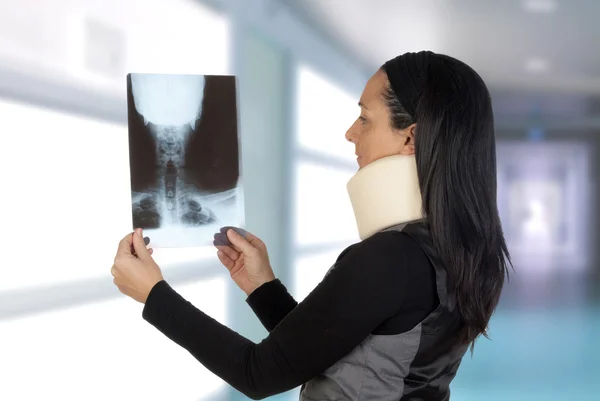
385,193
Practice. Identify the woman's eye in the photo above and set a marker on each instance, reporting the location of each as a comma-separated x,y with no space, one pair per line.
362,119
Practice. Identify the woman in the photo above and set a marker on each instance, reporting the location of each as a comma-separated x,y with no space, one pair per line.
397,312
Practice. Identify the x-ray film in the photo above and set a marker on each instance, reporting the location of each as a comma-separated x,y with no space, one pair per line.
184,157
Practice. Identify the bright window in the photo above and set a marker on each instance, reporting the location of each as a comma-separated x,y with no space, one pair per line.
325,112
68,178
324,222
106,351
309,271
66,201
323,210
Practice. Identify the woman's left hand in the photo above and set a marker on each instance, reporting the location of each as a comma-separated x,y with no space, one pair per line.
135,273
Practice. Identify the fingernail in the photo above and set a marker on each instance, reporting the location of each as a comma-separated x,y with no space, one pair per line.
146,240
240,231
139,232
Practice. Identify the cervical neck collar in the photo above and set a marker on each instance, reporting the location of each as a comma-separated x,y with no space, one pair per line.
385,193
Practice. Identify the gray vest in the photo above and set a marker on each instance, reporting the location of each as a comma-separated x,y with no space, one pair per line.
415,365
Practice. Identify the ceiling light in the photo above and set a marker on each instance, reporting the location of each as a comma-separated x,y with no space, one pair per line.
540,6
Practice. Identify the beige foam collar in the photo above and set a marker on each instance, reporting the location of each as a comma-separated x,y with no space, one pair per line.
385,193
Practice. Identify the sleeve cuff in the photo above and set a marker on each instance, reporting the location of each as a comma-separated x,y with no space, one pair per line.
271,302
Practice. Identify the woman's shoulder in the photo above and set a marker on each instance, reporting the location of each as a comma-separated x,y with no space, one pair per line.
385,246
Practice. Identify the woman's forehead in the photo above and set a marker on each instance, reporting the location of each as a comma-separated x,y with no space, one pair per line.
371,96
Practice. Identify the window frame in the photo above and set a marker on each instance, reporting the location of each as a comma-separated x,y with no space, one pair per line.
302,154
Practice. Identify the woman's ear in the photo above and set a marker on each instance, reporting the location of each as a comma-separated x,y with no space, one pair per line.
409,140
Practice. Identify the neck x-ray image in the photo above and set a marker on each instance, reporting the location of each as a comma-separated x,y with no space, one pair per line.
184,157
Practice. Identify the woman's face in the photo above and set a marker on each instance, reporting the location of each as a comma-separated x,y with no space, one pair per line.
372,133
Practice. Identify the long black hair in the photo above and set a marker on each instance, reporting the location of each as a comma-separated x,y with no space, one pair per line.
455,152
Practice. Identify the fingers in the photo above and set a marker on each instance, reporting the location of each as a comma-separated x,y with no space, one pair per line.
139,245
226,260
222,242
240,242
220,239
146,242
230,252
240,231
131,244
125,245
251,238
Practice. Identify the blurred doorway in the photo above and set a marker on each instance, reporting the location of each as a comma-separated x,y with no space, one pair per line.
543,194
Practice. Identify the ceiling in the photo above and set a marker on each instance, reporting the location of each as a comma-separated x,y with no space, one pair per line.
553,51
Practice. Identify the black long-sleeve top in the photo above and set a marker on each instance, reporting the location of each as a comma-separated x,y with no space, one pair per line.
383,284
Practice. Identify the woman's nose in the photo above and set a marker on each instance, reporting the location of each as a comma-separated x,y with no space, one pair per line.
349,136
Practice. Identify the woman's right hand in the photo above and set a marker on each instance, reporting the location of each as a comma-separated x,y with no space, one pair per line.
247,261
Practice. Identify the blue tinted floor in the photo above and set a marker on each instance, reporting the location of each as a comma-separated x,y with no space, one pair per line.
533,355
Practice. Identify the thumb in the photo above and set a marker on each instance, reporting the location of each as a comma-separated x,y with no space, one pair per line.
139,245
240,242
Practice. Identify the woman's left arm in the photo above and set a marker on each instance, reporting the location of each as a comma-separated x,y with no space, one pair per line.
363,289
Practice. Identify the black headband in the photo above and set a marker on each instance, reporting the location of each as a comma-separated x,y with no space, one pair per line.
407,74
